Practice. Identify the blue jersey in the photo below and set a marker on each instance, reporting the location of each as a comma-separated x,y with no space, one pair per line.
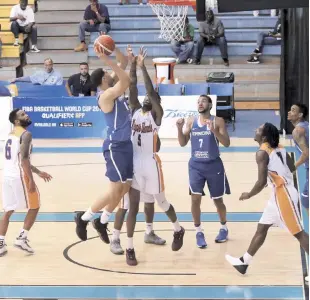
118,122
205,146
304,125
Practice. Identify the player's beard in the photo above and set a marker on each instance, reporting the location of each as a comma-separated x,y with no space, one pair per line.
203,111
25,123
147,107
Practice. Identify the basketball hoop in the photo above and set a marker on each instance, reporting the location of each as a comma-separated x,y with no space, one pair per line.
172,15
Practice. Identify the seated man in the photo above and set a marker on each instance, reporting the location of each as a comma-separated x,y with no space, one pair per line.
47,77
212,32
96,19
184,49
22,18
270,38
80,85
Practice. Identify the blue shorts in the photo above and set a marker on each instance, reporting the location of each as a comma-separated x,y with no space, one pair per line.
119,161
211,172
305,192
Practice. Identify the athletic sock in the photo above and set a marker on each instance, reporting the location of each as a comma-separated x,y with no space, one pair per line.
246,258
116,234
130,243
149,228
198,228
176,226
105,216
88,215
23,234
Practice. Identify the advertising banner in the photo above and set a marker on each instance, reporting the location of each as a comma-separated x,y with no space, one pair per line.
67,117
176,107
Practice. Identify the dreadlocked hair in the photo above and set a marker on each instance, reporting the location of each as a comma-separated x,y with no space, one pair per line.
271,135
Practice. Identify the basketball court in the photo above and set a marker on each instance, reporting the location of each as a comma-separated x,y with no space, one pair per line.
64,267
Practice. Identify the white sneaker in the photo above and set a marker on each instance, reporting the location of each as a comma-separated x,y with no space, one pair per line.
22,243
3,249
34,49
307,280
240,266
16,43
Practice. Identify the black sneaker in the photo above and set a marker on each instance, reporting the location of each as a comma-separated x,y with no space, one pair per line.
102,230
81,225
257,52
253,60
196,62
131,257
178,240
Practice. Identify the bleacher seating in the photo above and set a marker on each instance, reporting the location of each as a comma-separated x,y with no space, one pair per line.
195,88
7,37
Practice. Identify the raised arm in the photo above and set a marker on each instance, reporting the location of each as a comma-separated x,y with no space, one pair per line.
152,94
106,100
133,89
122,62
184,136
300,138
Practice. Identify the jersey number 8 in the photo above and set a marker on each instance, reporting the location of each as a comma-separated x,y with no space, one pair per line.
8,149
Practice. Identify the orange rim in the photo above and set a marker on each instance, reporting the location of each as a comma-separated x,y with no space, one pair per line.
191,3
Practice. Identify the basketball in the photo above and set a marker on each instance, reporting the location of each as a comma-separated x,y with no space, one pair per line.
104,43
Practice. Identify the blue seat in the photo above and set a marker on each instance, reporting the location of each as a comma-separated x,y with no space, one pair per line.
170,89
221,89
195,89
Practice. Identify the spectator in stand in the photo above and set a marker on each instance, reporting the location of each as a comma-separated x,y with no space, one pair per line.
79,85
184,49
47,77
22,18
96,19
270,38
212,32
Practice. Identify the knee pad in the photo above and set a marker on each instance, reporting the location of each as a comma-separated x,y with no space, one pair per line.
162,201
305,201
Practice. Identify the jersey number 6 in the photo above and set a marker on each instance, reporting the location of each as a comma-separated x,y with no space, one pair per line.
8,149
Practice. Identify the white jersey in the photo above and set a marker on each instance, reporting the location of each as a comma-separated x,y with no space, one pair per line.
278,170
282,208
144,134
11,152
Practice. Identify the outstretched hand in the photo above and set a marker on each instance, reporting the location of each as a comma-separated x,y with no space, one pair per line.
141,56
130,54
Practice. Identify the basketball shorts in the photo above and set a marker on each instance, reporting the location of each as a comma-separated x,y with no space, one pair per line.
305,192
119,161
146,198
15,195
212,173
148,175
282,209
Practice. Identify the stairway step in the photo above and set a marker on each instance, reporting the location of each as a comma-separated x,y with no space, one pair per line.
58,56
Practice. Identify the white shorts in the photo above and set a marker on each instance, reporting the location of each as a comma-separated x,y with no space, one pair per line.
124,204
282,210
148,175
15,195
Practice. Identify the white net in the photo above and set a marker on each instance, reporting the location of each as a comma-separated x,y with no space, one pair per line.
172,21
